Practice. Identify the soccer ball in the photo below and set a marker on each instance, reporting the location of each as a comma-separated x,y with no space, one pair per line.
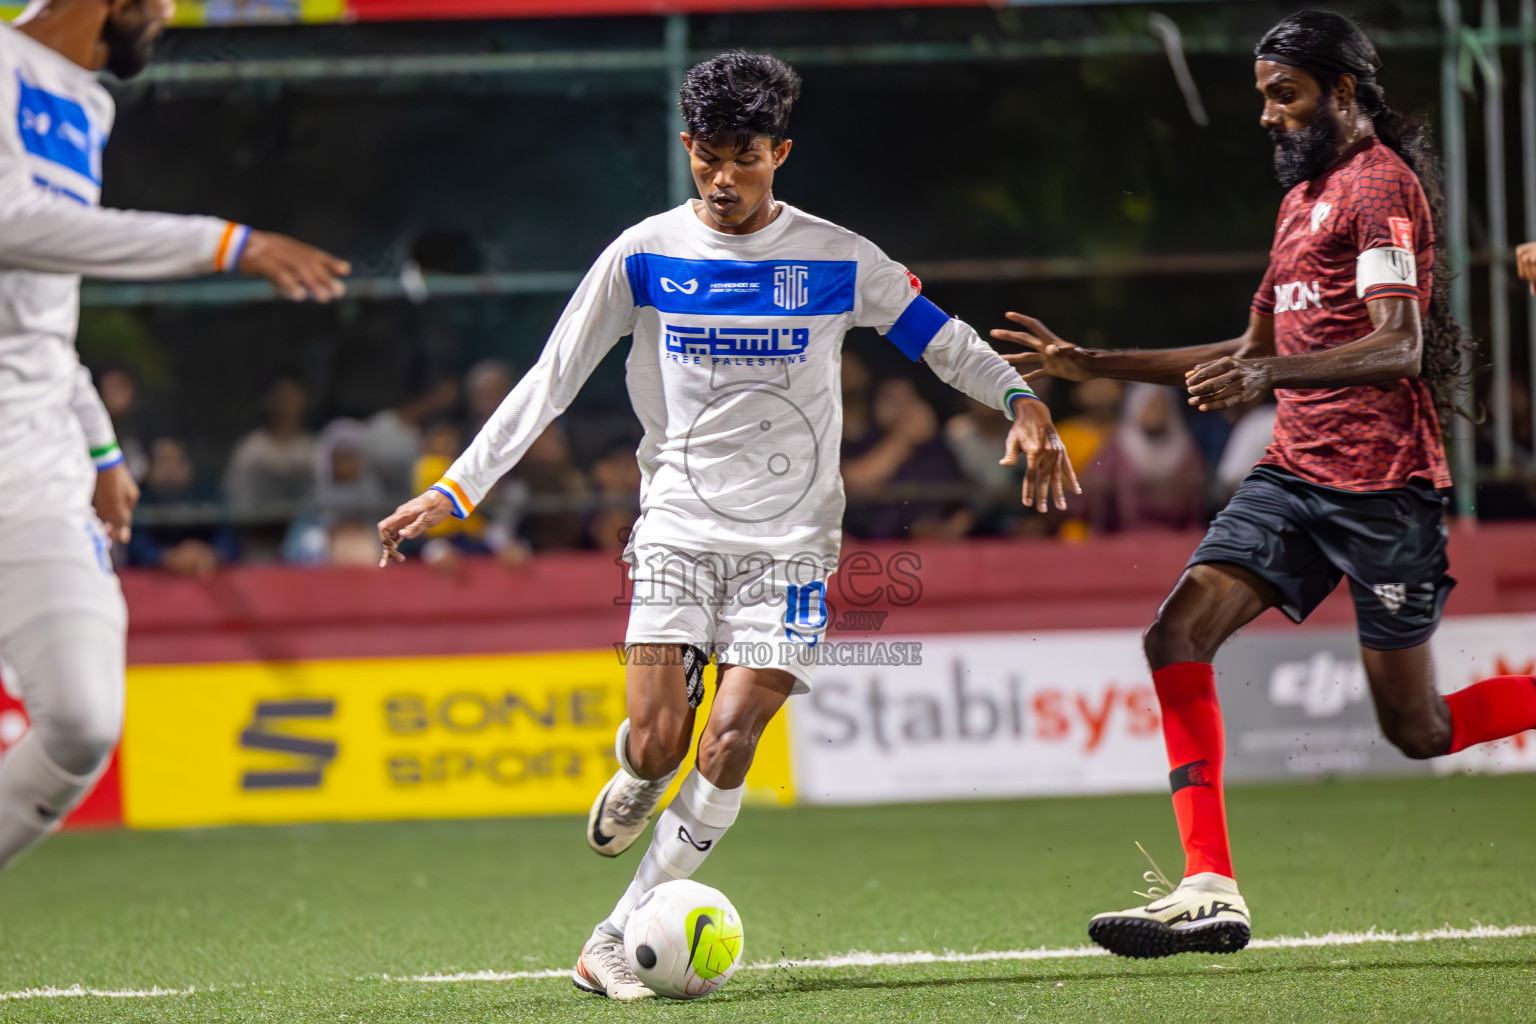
683,939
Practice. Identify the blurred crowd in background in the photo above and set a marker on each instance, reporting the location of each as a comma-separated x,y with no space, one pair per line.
264,433
300,492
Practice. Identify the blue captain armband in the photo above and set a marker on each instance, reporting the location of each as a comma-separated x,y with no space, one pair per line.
916,327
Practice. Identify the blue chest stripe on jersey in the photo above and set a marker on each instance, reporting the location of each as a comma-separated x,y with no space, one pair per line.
742,288
916,326
60,190
56,128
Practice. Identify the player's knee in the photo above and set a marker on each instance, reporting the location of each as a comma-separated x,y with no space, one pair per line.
1171,639
81,740
655,751
729,745
1419,736
74,676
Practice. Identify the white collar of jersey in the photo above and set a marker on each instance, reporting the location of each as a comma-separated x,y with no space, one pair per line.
772,231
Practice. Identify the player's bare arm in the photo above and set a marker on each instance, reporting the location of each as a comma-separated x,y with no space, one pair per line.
47,234
413,519
1049,471
1051,356
1392,351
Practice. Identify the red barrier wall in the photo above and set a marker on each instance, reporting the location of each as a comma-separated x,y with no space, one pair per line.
579,601
576,601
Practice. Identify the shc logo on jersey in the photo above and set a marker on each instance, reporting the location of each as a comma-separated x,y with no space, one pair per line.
738,288
1297,295
1402,232
790,286
1320,213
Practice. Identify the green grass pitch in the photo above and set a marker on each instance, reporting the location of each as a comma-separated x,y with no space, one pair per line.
305,923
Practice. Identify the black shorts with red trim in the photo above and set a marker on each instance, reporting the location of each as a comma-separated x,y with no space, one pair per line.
1303,538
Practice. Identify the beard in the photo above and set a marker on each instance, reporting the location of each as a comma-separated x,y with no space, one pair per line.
1302,154
128,52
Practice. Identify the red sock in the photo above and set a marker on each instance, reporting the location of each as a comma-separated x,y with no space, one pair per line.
1196,742
1491,710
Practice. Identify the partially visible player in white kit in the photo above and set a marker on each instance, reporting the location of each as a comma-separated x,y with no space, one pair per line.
738,305
62,616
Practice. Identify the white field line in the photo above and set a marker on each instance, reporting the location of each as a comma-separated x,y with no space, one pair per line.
75,991
858,959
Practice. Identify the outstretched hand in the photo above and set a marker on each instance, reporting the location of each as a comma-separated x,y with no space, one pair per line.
1052,357
299,271
412,519
1049,470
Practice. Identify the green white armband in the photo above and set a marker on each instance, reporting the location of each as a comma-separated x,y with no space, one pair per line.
1018,391
107,456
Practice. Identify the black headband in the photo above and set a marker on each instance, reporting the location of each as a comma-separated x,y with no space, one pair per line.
1317,68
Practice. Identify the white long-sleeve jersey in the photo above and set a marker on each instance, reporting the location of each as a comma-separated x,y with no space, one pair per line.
734,372
54,121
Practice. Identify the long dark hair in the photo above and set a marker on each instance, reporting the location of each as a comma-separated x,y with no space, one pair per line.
1327,45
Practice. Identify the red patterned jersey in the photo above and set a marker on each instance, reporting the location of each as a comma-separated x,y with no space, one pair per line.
1369,437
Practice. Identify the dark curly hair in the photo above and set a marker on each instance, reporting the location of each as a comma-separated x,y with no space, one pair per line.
733,98
1327,45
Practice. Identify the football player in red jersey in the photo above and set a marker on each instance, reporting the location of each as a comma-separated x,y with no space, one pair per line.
1350,329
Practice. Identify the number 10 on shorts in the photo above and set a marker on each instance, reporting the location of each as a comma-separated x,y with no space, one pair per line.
806,609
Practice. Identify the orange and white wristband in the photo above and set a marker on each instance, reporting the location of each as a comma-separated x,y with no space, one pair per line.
462,506
231,247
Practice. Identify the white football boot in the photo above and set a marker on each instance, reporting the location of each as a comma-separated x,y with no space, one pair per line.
1202,914
603,969
622,811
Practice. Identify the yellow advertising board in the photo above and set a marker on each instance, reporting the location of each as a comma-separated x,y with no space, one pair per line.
384,738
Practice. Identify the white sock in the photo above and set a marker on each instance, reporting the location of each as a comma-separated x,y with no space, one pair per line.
686,833
35,794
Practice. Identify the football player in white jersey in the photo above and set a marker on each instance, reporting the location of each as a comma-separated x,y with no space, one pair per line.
737,305
62,617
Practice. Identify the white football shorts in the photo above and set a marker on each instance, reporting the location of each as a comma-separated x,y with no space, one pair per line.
753,611
56,564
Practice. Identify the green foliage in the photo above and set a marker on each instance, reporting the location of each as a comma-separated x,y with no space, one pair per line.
119,336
